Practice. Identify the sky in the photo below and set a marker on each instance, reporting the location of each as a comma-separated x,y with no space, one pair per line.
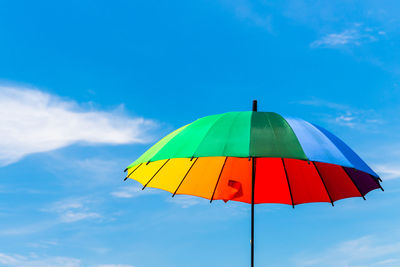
87,86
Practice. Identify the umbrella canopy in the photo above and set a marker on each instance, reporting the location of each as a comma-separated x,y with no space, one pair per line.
295,161
255,157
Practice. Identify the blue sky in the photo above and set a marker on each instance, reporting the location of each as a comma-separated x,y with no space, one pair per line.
87,86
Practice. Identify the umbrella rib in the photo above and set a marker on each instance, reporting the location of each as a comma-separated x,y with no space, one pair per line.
184,177
155,174
353,182
133,171
219,176
323,182
287,179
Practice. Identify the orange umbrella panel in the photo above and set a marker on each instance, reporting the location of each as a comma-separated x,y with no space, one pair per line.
277,180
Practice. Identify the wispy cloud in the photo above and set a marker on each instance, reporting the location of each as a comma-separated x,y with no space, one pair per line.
322,103
354,36
35,261
389,172
245,10
345,115
133,191
348,119
185,201
43,244
89,172
115,265
73,210
27,229
366,251
337,39
33,121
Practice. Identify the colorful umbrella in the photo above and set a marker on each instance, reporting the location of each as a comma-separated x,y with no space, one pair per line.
255,157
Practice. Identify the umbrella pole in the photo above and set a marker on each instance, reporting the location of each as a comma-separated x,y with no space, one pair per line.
252,211
253,178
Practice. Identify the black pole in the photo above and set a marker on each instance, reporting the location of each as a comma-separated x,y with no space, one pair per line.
252,210
254,105
253,178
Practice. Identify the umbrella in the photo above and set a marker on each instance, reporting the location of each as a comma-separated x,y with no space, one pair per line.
255,157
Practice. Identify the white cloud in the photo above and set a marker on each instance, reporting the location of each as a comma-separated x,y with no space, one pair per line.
345,115
33,121
388,172
245,10
27,229
71,216
34,261
354,36
366,251
185,201
133,191
88,172
73,210
322,103
335,39
347,119
43,244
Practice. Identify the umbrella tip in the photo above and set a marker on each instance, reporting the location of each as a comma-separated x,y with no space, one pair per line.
254,105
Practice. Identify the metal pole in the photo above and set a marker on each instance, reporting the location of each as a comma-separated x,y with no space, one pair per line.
253,178
252,210
254,105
